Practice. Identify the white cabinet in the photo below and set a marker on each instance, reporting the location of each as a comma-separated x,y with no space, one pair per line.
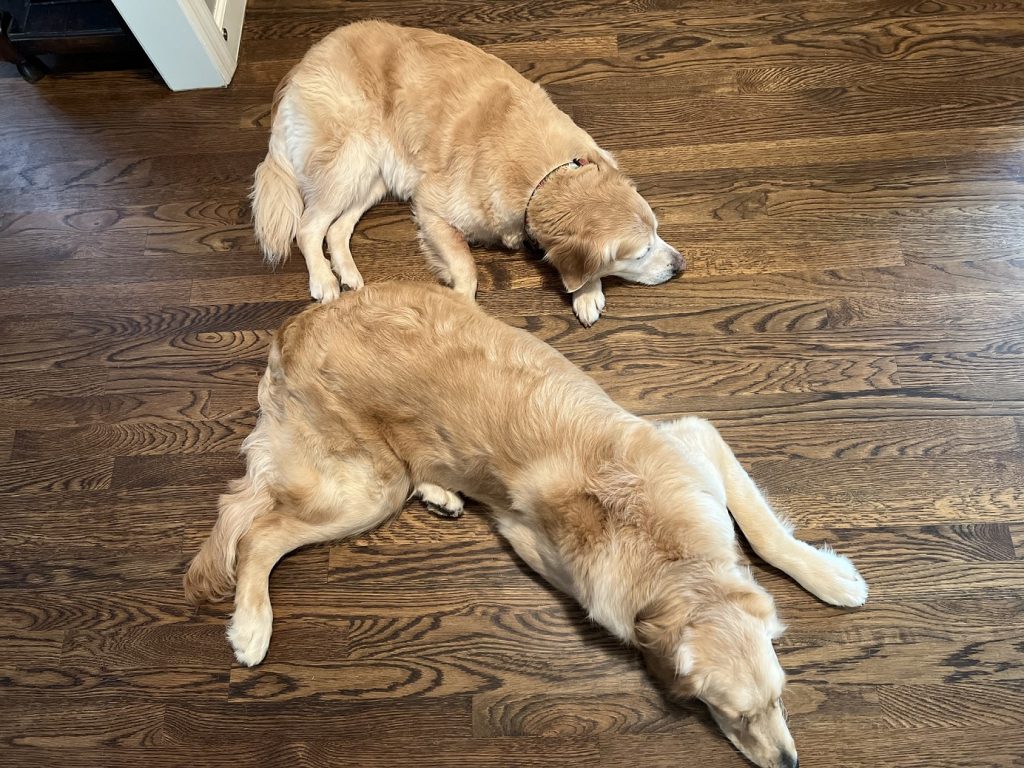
192,43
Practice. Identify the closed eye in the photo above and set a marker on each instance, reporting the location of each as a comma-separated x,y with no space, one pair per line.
785,714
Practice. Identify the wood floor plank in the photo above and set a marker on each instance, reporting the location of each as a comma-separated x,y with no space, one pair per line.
50,382
23,647
36,300
177,646
578,714
87,570
42,250
833,150
81,728
759,117
56,474
139,405
958,705
945,619
440,752
896,438
211,470
970,503
136,439
141,685
88,322
235,723
925,663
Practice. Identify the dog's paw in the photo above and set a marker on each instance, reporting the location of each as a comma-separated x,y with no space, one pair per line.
440,501
353,282
249,635
465,288
588,306
835,580
348,276
324,288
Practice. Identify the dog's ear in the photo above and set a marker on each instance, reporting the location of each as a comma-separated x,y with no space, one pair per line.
606,159
662,629
575,263
755,601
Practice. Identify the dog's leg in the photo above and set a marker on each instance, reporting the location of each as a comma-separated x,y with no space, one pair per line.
268,540
588,302
364,504
340,233
323,285
447,252
825,574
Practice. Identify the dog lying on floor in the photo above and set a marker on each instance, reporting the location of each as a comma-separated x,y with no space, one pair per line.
407,386
482,153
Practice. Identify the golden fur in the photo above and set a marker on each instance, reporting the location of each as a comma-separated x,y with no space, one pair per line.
374,108
403,387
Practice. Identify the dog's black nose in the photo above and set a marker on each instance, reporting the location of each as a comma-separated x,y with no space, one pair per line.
678,262
789,761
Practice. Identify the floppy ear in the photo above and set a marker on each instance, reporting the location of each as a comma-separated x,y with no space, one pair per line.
662,631
753,600
684,658
574,264
606,158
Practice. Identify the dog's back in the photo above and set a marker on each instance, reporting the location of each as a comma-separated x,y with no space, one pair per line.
374,101
428,364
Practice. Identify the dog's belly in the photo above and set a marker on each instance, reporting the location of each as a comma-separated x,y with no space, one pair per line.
536,550
398,171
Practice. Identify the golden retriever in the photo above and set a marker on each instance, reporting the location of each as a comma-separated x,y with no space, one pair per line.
410,387
483,154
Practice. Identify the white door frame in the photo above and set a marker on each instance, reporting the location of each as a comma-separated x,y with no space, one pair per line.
190,45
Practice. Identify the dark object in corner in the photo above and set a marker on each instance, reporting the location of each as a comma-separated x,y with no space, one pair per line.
32,28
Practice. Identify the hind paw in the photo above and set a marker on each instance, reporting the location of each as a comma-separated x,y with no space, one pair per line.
440,501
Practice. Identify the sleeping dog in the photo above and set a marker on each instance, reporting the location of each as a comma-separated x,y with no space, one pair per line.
483,154
410,387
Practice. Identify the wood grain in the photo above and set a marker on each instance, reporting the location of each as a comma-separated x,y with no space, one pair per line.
844,177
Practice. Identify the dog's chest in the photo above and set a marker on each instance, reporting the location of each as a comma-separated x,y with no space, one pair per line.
488,227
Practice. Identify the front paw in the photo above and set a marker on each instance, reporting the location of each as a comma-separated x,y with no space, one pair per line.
835,580
588,306
249,635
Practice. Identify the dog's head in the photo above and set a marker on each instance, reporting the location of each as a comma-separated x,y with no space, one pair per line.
592,223
719,650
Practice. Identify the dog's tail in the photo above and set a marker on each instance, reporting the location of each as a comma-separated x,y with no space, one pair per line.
276,205
276,198
211,575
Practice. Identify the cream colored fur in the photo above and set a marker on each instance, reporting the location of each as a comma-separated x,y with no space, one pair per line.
403,386
375,109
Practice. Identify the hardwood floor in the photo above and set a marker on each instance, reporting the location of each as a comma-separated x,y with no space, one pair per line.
847,180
